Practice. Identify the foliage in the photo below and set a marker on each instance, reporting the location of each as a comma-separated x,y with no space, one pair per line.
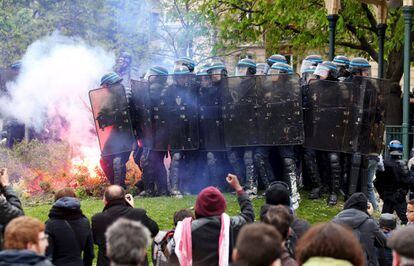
301,26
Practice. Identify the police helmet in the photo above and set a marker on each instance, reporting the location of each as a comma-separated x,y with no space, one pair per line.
360,66
395,148
276,58
156,71
262,68
280,68
216,68
308,74
326,70
110,79
246,67
16,65
181,70
310,60
186,61
341,61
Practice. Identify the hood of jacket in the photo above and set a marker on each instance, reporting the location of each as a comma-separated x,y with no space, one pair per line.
23,257
357,201
325,261
66,208
351,217
67,203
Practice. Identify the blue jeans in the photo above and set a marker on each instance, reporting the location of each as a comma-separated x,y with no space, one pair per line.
372,168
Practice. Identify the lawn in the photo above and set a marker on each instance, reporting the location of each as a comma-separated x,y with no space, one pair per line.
162,209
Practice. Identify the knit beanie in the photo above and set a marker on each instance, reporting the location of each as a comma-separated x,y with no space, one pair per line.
210,202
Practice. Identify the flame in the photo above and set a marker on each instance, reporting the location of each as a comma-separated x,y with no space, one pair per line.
88,158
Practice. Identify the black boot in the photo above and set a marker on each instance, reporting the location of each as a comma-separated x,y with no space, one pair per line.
335,167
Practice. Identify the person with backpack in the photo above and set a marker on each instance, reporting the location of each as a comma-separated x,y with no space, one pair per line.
357,216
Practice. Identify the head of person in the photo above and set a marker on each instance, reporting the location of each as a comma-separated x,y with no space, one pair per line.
279,217
113,193
16,66
26,233
357,201
110,79
124,60
261,69
185,61
65,192
210,202
181,215
307,74
326,71
258,244
360,67
278,194
312,60
342,63
127,242
402,242
156,74
203,77
388,221
328,240
395,149
181,74
279,69
276,58
410,211
246,67
217,70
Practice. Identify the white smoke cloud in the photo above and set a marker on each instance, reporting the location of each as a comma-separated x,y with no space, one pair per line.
57,73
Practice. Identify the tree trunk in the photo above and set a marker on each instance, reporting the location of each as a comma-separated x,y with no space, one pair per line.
395,65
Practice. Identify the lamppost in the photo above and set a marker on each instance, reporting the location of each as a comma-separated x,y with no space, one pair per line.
408,9
382,11
332,7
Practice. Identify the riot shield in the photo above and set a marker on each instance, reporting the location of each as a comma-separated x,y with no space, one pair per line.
240,111
346,116
112,120
280,110
211,128
141,113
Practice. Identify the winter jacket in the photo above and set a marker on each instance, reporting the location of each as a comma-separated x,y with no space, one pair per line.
385,253
69,234
10,208
364,227
325,261
205,233
112,211
12,257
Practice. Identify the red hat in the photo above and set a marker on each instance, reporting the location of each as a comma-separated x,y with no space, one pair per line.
210,202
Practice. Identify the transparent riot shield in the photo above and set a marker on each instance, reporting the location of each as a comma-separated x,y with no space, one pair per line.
141,113
280,110
211,128
346,116
112,119
239,102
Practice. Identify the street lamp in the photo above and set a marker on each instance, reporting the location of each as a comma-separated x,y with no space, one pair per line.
332,7
408,9
382,11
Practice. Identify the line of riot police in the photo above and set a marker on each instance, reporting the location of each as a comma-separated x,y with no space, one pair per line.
257,124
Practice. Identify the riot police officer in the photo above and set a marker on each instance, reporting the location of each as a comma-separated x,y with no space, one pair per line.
393,183
125,69
181,94
154,173
241,159
211,79
342,63
261,69
328,71
185,61
113,164
276,58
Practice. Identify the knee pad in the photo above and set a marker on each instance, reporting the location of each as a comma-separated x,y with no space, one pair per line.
248,157
211,158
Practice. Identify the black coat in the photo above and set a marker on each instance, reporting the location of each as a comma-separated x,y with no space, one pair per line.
205,233
10,208
112,212
69,234
22,258
366,229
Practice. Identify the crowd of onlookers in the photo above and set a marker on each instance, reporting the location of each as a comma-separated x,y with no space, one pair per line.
203,236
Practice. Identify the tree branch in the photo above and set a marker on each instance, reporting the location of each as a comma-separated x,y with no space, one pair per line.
371,18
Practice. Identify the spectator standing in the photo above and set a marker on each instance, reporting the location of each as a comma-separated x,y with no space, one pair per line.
117,205
279,217
10,205
329,244
25,243
209,239
69,232
356,216
127,242
402,243
387,223
258,245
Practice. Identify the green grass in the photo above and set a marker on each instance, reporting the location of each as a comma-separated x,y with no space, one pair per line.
162,209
